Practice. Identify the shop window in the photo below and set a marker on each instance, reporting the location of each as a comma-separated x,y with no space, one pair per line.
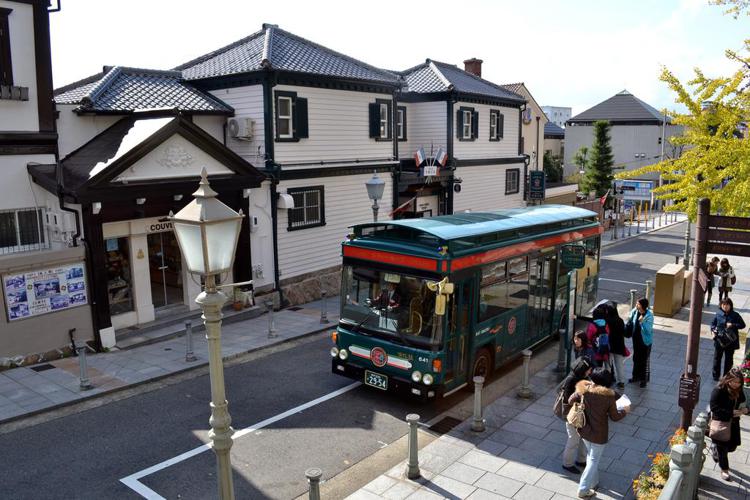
511,180
309,209
119,276
22,230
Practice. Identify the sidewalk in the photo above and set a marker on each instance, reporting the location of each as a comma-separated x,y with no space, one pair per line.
30,390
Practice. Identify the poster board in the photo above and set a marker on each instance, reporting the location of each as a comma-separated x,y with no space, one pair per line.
42,291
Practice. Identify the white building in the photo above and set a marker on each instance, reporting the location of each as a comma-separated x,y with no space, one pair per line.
558,114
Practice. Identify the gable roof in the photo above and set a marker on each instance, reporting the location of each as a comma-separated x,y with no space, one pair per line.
434,77
274,48
622,107
521,89
121,90
552,131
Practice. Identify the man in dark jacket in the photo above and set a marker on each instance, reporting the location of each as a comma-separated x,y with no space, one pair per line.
574,448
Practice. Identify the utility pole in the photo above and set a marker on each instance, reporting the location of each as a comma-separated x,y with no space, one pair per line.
686,256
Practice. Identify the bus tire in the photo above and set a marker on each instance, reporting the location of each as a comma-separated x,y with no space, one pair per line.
482,364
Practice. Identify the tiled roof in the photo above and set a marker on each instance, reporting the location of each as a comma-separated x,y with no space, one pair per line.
621,107
552,130
516,88
274,48
434,76
123,90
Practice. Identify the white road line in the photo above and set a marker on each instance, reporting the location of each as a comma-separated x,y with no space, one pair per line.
132,481
621,281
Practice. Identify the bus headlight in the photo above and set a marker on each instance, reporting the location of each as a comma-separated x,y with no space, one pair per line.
416,376
334,351
343,354
427,379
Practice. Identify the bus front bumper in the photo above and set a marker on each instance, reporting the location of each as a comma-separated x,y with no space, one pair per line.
395,384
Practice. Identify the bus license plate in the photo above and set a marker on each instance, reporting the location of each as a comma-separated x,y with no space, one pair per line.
376,380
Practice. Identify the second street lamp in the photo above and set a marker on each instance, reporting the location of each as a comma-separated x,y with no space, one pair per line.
207,232
375,187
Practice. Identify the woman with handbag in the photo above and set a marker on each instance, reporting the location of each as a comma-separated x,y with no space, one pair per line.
617,347
574,448
725,330
711,269
726,278
599,407
727,405
641,323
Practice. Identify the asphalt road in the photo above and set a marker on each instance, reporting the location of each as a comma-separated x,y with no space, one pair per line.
87,454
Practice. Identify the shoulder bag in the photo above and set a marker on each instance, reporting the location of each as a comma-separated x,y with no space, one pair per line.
557,409
726,337
576,415
719,431
629,328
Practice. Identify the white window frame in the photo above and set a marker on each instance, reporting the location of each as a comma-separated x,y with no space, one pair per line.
288,117
42,234
303,222
493,125
400,113
514,173
466,132
384,120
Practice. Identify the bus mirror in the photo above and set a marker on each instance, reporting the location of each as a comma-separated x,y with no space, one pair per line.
442,288
447,289
440,305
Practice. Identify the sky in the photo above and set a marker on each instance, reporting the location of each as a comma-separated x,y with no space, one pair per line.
573,53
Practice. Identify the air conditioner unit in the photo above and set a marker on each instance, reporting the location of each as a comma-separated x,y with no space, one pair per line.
241,128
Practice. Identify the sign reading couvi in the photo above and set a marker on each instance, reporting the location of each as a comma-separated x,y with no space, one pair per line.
159,227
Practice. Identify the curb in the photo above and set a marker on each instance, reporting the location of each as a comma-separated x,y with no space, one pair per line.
611,242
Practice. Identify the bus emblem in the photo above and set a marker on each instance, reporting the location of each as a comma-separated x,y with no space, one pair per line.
512,326
378,357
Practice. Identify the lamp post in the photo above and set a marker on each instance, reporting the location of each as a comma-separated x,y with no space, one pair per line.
207,232
375,188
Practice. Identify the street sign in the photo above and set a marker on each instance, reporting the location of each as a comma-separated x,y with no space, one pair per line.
688,391
727,235
573,256
430,171
702,279
728,222
536,185
728,249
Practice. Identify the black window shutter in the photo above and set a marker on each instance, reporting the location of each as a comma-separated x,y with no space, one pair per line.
374,119
300,118
475,124
500,124
390,120
459,124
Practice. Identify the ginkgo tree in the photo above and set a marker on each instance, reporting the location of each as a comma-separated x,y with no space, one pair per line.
715,159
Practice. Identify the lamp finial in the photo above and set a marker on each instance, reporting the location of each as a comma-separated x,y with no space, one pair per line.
204,189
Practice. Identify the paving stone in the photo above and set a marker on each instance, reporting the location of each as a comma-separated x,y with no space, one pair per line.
483,461
400,491
541,447
480,494
380,484
500,485
363,495
630,442
491,447
513,454
463,472
520,472
447,487
528,417
517,427
557,437
529,492
563,485
624,468
507,437
425,494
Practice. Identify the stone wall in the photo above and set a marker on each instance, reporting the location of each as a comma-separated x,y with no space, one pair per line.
307,287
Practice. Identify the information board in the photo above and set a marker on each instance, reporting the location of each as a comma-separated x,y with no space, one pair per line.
573,256
635,190
536,185
45,290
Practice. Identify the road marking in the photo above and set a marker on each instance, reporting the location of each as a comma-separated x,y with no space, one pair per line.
132,481
621,281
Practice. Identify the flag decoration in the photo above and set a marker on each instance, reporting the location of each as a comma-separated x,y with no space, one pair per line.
419,156
603,199
441,157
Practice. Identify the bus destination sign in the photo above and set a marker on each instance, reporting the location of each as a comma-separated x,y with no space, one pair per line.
573,256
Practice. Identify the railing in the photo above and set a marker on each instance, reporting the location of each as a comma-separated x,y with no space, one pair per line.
686,463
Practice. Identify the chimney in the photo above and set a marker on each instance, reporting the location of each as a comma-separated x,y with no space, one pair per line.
473,66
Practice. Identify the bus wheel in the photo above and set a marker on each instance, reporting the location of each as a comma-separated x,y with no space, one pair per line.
482,364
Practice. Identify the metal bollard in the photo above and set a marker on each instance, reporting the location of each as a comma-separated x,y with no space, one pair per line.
85,382
189,356
412,466
632,299
477,425
676,259
271,328
323,308
648,291
524,392
313,480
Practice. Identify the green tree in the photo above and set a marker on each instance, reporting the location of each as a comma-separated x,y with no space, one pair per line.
553,169
580,159
598,174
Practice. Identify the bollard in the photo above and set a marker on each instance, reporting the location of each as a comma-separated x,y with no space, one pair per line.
323,308
676,259
623,226
638,221
412,465
477,425
271,328
313,480
630,226
632,299
648,292
189,356
524,392
85,382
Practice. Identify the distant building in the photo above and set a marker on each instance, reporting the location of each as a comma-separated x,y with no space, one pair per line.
558,114
554,139
534,122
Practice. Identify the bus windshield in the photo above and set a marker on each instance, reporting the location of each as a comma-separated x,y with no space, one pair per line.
390,304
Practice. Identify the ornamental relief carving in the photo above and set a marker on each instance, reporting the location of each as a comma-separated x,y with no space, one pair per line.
176,157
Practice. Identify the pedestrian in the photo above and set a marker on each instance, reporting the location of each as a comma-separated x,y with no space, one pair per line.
726,278
598,335
711,269
725,330
575,451
727,405
581,346
600,406
617,347
641,323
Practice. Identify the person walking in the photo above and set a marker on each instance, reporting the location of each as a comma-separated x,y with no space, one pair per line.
599,407
725,330
641,323
581,346
574,447
617,348
727,405
597,334
726,278
711,269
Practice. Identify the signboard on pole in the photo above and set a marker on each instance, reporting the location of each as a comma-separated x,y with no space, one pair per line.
635,190
536,185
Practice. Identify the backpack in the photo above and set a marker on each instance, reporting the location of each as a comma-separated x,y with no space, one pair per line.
601,340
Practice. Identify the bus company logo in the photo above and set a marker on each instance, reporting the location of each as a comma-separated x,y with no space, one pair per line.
512,326
378,357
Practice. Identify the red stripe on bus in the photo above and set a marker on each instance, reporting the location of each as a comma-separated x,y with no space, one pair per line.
521,248
391,258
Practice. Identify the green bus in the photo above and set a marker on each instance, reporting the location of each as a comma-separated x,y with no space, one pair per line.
427,304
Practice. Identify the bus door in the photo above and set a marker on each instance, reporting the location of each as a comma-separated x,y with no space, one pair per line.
457,344
560,316
541,290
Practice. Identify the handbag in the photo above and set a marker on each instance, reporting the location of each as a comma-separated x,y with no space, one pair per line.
719,431
557,408
576,415
725,337
629,328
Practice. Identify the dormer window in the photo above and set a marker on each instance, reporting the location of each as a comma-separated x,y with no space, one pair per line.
6,67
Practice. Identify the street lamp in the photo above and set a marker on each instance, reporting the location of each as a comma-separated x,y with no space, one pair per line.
375,188
207,232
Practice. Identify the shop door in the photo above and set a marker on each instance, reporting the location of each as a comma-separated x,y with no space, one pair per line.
165,265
